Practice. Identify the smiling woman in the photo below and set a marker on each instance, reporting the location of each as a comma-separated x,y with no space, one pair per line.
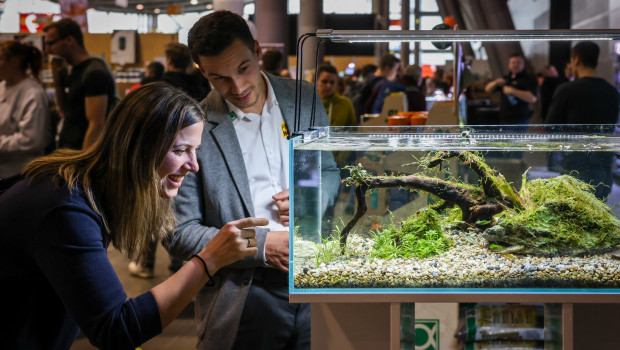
59,221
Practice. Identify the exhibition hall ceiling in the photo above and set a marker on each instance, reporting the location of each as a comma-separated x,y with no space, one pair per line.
154,6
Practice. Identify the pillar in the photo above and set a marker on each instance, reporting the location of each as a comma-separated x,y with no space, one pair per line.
271,19
404,23
381,10
559,18
235,6
310,19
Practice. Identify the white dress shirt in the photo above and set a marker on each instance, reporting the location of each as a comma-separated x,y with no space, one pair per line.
24,125
266,155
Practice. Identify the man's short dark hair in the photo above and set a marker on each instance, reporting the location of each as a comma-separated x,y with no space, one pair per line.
588,52
414,71
388,61
215,32
178,54
156,69
326,68
368,69
66,27
517,54
272,60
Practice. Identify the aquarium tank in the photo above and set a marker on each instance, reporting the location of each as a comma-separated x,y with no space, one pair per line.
460,210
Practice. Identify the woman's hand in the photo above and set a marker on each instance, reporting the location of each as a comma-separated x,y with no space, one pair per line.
232,243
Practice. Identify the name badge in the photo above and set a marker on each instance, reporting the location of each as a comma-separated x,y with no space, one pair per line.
284,130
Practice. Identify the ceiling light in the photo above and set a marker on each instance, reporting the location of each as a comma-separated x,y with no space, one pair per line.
194,2
209,6
351,36
139,7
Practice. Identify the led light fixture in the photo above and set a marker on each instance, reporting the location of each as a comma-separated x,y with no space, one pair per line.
368,36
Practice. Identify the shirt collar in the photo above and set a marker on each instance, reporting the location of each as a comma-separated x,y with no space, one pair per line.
270,102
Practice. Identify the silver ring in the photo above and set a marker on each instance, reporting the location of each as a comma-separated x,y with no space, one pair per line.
249,242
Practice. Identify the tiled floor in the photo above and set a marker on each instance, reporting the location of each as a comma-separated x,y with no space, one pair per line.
180,334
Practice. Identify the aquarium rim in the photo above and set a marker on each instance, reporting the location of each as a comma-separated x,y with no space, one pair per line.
370,36
438,295
477,132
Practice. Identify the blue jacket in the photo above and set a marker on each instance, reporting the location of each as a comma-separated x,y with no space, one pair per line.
56,276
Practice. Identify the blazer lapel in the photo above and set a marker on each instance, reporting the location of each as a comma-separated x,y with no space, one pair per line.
285,102
225,137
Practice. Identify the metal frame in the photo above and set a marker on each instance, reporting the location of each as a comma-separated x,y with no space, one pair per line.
353,36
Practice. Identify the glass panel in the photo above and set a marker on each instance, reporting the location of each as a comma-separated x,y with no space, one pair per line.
97,22
249,9
123,21
429,6
428,22
436,59
484,209
293,6
347,6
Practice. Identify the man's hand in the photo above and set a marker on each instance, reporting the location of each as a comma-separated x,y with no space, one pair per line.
276,249
282,203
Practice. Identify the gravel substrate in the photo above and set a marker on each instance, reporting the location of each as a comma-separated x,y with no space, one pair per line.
467,265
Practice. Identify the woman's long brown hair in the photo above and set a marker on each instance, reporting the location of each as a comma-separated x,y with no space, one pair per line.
118,173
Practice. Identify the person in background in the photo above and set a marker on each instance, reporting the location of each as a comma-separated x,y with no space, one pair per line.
272,62
178,61
244,160
389,66
586,100
25,122
339,109
285,73
518,89
153,72
60,219
412,80
354,89
352,83
550,84
88,94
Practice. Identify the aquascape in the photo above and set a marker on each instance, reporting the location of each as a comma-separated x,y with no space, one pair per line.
552,233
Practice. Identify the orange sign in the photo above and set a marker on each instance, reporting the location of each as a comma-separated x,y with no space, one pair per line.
34,22
174,9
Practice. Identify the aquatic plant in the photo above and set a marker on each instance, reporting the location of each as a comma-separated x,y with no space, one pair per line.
477,203
546,217
420,235
562,216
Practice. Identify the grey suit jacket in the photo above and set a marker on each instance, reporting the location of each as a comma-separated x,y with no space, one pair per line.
219,193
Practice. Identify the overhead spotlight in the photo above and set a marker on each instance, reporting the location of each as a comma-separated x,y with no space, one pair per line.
139,7
157,10
209,6
194,2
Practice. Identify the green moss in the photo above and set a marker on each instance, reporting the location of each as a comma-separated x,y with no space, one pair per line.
420,235
561,215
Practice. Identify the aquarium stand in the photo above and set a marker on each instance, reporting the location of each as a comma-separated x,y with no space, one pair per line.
369,326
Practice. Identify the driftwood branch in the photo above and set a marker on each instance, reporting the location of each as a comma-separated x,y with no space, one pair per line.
475,205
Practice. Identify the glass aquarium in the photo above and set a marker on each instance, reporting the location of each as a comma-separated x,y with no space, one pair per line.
460,210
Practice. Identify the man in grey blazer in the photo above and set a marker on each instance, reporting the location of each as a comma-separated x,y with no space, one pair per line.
244,172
